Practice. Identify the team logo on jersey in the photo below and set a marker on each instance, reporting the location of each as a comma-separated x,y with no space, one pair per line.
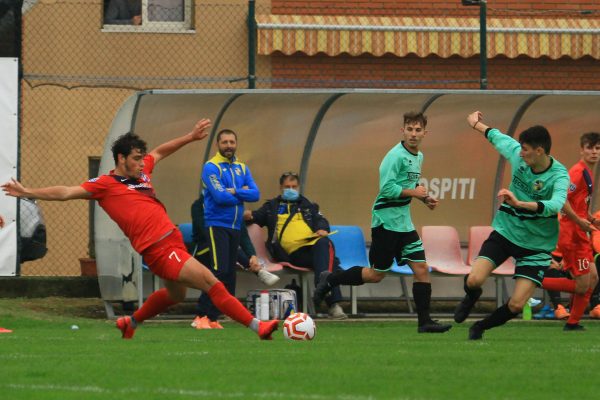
572,187
538,185
238,172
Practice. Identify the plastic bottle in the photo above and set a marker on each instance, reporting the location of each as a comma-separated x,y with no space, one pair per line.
264,305
527,311
257,307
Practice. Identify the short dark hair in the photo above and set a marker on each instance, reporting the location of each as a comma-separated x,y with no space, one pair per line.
287,175
225,132
536,136
415,116
590,138
126,143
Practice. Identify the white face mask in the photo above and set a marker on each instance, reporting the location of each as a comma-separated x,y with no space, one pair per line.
290,194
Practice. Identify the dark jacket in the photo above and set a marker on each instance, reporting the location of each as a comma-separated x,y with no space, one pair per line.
266,215
199,235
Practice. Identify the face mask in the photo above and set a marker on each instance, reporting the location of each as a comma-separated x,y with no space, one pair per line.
290,194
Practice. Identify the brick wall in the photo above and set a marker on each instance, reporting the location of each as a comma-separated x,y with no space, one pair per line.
432,7
433,72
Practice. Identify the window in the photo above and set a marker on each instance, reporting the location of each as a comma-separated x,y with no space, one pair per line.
148,16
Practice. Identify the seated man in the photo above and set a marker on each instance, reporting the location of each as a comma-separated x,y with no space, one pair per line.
207,314
297,233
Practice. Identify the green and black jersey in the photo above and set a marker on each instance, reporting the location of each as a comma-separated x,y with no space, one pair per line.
400,169
534,230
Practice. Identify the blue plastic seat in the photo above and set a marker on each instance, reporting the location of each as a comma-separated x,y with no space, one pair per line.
186,232
351,249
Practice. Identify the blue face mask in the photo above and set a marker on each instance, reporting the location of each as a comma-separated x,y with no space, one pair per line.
290,194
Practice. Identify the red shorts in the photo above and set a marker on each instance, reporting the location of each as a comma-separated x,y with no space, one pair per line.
576,248
166,257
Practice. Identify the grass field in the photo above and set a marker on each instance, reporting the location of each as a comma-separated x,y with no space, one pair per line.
44,359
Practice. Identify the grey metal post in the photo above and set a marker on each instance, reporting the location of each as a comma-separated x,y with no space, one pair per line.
483,44
251,44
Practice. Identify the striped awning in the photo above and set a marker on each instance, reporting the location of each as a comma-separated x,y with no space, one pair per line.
356,35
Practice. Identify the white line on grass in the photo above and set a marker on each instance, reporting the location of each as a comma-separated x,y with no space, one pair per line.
182,392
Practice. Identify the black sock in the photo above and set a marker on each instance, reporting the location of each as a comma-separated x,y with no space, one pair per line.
474,294
352,277
554,298
422,296
499,317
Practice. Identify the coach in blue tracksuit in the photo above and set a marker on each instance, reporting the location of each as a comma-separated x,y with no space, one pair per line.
227,183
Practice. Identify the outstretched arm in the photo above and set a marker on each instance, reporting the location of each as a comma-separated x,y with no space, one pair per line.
583,223
474,121
58,193
199,132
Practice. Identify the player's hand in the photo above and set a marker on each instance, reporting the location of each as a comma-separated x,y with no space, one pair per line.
420,193
14,188
555,264
321,233
136,20
247,215
505,195
585,225
431,202
201,128
474,117
231,190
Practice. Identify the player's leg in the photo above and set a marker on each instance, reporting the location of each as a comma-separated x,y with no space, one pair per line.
195,275
524,289
584,287
595,298
220,263
492,254
422,296
165,259
381,257
480,271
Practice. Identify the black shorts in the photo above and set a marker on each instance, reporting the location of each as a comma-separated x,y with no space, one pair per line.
387,245
529,264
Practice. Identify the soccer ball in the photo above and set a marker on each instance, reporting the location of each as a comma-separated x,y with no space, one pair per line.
299,326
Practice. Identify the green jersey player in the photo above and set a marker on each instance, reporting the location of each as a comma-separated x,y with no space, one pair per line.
525,225
392,231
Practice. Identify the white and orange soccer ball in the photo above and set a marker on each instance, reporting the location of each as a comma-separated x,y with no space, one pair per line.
299,326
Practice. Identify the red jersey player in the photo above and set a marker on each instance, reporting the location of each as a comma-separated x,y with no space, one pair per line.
573,240
127,196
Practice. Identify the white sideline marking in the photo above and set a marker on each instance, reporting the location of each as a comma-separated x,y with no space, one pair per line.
182,392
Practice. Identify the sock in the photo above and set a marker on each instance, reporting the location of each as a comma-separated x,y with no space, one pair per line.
352,277
499,317
229,305
559,284
254,324
156,303
422,296
580,302
474,294
554,298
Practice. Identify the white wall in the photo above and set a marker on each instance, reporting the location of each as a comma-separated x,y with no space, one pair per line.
9,103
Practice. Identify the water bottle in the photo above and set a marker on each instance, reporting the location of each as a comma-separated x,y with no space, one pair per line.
527,311
257,307
264,305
